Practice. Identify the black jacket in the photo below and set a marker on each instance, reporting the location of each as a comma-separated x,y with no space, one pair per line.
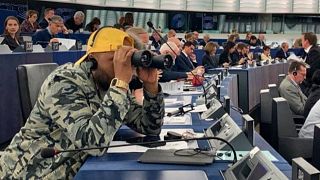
12,43
183,64
210,61
281,54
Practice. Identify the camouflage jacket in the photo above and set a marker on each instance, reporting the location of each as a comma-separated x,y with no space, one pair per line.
68,115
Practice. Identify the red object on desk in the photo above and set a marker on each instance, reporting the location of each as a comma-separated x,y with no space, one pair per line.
197,80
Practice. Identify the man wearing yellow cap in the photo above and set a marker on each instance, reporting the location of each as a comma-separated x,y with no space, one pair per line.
83,105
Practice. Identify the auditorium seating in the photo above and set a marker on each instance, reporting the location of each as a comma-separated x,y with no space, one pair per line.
30,78
288,143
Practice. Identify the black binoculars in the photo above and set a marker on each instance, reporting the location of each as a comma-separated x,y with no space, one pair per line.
145,58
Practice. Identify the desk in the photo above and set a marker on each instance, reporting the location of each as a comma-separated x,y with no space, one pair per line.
200,52
108,164
10,113
252,80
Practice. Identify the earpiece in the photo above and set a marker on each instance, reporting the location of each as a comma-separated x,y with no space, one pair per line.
92,62
294,73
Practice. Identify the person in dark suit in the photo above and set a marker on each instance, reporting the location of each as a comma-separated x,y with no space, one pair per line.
48,13
49,35
170,74
75,23
209,59
206,39
312,58
93,25
314,95
183,61
11,32
261,40
283,52
225,59
289,87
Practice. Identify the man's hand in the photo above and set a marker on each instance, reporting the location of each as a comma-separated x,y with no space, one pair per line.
122,63
149,77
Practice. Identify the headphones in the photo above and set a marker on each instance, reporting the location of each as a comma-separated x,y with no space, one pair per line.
92,63
295,73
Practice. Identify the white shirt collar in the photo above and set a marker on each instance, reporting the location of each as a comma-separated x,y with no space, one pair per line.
185,54
308,49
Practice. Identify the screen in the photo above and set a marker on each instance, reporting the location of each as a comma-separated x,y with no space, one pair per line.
258,172
216,128
245,171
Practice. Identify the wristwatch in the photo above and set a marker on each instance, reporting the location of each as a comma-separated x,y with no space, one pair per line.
119,83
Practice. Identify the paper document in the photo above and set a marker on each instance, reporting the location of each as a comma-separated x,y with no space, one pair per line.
67,42
177,120
172,87
200,108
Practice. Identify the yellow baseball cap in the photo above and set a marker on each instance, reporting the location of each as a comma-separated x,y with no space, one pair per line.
105,39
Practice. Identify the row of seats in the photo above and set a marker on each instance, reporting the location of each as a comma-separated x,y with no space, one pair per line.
279,127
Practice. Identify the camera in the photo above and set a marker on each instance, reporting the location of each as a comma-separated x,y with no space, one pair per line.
145,58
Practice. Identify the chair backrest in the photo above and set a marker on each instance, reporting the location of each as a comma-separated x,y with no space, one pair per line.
283,117
30,79
273,90
301,167
265,115
280,78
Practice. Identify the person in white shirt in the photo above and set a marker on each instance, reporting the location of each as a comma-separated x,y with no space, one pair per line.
313,118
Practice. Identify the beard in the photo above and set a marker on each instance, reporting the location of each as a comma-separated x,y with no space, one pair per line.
102,81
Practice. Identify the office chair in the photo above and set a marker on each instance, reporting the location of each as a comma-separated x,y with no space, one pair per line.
30,79
266,96
288,143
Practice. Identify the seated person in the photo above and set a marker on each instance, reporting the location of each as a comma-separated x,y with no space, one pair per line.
314,95
93,25
48,13
265,55
307,130
75,23
11,33
169,74
225,59
206,39
253,41
50,34
209,59
184,62
261,40
289,87
155,39
30,24
241,55
283,52
83,105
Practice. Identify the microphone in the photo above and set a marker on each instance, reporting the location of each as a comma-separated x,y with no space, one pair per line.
50,152
150,24
180,110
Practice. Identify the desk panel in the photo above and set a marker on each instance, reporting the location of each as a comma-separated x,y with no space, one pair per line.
10,114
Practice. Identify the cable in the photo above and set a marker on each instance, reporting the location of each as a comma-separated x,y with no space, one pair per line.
51,152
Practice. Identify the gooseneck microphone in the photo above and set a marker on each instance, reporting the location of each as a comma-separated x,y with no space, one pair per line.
51,152
150,24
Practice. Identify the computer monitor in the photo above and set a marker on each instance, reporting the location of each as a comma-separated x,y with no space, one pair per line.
253,166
